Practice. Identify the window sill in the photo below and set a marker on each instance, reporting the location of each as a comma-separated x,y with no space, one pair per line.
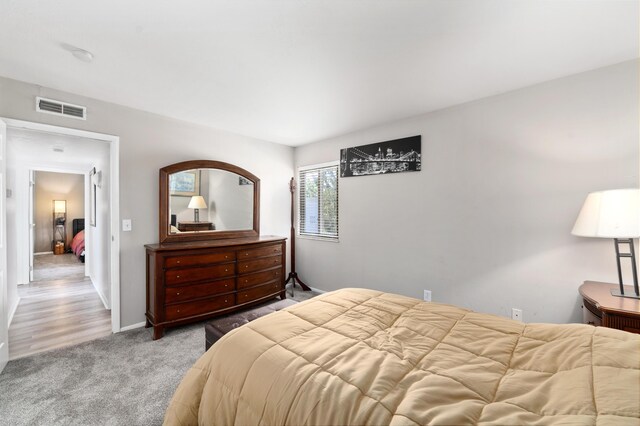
311,237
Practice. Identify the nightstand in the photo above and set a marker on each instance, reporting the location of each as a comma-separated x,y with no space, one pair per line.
601,308
195,226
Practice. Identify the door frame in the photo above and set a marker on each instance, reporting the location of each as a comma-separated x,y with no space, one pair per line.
114,200
4,303
33,168
32,224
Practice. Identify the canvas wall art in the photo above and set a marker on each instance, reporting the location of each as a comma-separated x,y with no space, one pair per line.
395,156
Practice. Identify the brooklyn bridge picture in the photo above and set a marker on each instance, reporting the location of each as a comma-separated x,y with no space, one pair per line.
399,155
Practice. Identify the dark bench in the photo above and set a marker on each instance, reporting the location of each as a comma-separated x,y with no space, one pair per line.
222,325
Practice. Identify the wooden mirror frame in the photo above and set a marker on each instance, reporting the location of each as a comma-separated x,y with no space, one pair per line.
166,237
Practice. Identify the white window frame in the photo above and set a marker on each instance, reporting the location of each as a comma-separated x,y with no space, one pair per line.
298,227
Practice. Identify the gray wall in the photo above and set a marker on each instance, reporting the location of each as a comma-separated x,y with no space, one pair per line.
486,224
56,186
147,143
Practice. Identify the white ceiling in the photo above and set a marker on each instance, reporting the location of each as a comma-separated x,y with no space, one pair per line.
298,71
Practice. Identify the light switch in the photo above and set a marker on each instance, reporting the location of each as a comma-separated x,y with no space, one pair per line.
126,225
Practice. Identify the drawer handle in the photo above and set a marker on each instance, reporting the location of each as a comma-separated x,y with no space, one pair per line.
246,253
178,310
246,266
225,300
226,270
276,273
178,261
178,294
226,285
177,276
275,261
246,281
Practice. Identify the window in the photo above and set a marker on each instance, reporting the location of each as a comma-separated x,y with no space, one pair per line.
318,192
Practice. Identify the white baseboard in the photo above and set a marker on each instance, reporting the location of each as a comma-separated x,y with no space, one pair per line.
12,311
133,326
42,252
317,290
102,297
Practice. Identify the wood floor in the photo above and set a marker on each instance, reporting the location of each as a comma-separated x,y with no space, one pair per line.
57,313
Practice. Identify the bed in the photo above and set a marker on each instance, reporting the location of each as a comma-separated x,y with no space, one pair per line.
358,356
77,243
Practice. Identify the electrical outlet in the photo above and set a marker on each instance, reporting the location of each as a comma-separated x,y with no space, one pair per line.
427,296
516,314
126,225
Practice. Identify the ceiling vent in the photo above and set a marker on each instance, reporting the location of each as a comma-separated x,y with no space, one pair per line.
49,106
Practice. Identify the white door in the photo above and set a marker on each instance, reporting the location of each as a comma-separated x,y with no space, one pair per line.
32,221
4,323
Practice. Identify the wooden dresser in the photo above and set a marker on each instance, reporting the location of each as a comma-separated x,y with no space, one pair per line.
192,281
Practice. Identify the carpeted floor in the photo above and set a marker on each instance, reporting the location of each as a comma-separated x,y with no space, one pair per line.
123,379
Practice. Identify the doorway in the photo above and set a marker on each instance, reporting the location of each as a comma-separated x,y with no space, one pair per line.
63,150
57,208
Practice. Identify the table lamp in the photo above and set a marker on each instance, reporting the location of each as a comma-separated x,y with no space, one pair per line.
613,214
197,202
59,206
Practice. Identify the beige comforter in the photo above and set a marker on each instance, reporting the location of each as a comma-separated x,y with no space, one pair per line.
359,356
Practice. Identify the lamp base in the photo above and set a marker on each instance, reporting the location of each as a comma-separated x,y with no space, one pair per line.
630,294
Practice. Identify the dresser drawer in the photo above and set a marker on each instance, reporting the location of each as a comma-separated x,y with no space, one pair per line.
182,276
198,259
248,266
199,307
196,291
252,280
260,252
258,292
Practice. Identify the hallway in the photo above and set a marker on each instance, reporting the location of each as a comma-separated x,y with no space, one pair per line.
56,313
52,267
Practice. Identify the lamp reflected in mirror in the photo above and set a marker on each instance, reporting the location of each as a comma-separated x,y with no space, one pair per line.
197,202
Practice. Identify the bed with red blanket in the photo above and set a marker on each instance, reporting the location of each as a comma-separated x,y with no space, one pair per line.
77,244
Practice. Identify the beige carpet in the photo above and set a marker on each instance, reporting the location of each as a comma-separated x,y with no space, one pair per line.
124,379
56,266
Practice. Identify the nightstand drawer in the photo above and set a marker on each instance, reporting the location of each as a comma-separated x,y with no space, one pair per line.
589,317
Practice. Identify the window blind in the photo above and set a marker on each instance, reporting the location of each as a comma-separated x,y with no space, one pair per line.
318,192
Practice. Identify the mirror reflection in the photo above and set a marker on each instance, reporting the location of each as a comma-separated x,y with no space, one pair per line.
205,200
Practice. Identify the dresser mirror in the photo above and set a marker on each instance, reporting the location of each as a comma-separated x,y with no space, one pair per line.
204,200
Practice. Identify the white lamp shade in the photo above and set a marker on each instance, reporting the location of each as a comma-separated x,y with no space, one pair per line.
59,206
197,202
610,214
